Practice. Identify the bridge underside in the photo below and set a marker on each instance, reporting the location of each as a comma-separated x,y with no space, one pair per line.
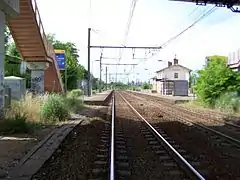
28,33
224,3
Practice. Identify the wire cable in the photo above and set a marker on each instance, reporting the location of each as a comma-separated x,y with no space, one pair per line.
129,22
90,13
204,15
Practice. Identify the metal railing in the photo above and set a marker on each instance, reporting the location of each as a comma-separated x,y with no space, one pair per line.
112,159
47,45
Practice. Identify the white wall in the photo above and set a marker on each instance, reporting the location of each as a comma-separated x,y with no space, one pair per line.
183,74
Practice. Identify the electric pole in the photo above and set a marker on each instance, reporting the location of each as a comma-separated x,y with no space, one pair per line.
100,76
89,87
106,78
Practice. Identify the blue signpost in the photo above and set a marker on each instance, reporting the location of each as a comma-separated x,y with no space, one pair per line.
62,63
61,60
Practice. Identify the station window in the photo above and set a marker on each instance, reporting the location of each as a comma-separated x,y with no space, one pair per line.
175,75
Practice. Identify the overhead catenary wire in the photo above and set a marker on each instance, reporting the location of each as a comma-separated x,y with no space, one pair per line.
190,14
186,18
129,22
90,13
155,51
202,16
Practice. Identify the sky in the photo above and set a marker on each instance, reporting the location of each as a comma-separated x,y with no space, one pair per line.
153,23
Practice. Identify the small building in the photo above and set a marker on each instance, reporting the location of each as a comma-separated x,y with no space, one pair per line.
17,86
234,60
172,80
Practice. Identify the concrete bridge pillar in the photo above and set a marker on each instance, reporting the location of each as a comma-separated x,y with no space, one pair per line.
9,8
37,76
2,56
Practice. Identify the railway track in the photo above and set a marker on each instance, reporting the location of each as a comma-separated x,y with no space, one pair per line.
226,130
130,145
133,144
220,153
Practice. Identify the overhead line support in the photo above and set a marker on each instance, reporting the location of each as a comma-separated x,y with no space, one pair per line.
119,64
127,47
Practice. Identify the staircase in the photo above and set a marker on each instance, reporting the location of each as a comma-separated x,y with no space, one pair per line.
28,33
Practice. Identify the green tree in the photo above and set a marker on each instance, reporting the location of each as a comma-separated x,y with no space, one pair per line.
13,60
75,71
12,50
215,79
192,80
6,37
147,86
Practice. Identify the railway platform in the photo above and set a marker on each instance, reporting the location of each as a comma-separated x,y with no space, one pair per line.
99,98
173,99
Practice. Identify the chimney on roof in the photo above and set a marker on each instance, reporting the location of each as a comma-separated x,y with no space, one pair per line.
175,60
169,63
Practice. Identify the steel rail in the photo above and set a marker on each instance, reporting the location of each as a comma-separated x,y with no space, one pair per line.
190,169
112,158
233,140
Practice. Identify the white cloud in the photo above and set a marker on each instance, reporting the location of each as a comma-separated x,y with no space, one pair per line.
153,23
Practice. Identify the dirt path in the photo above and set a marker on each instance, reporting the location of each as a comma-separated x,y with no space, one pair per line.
15,147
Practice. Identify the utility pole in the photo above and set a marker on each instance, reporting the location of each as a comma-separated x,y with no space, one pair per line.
100,76
89,87
110,47
110,81
106,78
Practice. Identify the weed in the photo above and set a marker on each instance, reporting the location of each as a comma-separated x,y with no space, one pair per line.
54,109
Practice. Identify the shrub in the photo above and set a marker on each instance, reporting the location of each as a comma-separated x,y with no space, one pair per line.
54,108
32,111
75,93
29,107
228,102
147,86
16,124
94,91
74,104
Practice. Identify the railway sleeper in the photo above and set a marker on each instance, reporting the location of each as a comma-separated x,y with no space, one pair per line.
121,161
165,157
100,164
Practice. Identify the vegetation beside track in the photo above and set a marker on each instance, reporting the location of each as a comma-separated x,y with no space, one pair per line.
218,86
32,112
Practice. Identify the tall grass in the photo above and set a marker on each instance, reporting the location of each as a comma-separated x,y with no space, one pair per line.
32,111
29,107
228,102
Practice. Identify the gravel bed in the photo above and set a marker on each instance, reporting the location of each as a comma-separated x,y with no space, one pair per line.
200,112
222,160
73,159
214,122
144,163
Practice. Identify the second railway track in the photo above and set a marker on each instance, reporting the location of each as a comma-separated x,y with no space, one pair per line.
140,140
220,155
228,130
141,151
